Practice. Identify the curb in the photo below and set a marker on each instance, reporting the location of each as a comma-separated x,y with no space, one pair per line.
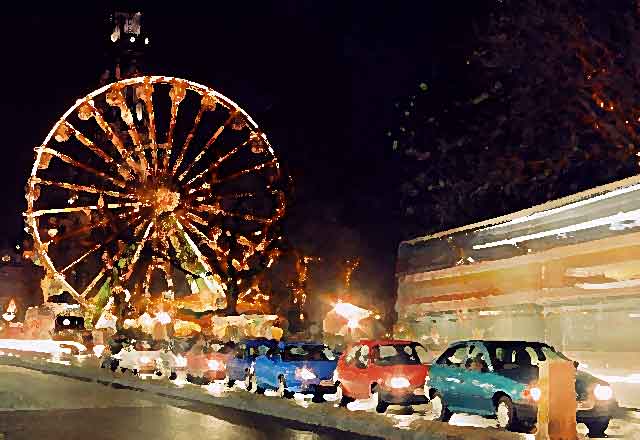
323,416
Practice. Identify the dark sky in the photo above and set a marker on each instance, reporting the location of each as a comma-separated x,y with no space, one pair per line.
320,78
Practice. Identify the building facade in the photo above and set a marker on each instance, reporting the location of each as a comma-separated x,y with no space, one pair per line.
566,272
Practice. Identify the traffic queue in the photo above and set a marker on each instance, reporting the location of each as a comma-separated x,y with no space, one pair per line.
493,379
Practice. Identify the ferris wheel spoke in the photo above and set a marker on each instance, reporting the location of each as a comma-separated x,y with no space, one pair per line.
82,188
79,231
216,164
248,171
62,134
195,249
42,212
98,246
177,94
111,135
210,142
100,274
93,283
216,210
145,92
77,164
213,245
136,255
188,140
116,98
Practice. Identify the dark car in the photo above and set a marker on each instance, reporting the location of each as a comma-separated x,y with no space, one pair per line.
499,379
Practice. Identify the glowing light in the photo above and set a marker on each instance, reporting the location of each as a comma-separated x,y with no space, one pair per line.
215,365
535,393
132,39
352,323
399,382
66,322
145,360
181,361
163,318
98,350
305,373
603,392
146,40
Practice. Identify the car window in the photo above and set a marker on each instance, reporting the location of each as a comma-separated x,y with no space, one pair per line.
362,357
423,355
396,354
240,351
351,354
307,352
454,356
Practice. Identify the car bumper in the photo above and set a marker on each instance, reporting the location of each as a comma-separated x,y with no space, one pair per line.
600,410
322,387
215,374
404,396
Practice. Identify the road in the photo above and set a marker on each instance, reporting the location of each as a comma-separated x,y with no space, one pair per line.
35,405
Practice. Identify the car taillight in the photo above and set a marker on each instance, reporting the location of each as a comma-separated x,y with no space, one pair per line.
533,393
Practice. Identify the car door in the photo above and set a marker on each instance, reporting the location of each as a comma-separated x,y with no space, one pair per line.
237,363
446,375
477,381
346,369
361,384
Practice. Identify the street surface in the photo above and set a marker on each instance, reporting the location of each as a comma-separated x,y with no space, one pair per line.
35,405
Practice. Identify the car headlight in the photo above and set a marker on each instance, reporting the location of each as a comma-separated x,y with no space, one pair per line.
181,361
399,382
533,393
603,392
215,365
305,374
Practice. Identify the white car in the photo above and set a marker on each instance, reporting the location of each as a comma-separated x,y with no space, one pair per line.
146,360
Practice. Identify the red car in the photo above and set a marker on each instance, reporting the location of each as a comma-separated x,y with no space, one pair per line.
391,371
208,363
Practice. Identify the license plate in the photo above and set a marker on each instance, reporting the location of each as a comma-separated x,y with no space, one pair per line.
326,383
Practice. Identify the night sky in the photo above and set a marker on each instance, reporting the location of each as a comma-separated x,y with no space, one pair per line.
321,78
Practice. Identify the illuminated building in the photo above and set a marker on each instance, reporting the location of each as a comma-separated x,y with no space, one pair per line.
567,272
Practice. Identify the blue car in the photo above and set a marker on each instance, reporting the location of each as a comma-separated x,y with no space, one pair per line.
239,365
303,367
499,379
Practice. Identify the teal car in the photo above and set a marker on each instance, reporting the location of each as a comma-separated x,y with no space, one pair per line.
498,379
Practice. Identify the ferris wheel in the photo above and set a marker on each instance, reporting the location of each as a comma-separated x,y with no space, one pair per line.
150,185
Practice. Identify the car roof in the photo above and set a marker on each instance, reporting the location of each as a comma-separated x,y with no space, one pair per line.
383,341
496,341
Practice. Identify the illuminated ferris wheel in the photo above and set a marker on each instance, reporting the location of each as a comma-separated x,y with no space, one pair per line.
152,185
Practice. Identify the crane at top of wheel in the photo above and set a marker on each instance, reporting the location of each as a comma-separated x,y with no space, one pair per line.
156,189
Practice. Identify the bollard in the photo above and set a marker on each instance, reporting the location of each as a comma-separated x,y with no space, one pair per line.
557,405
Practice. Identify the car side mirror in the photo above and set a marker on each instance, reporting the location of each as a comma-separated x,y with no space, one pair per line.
576,364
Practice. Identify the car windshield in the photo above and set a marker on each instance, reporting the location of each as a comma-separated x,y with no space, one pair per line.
401,354
307,353
512,355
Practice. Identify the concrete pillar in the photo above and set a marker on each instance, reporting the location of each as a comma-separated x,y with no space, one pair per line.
557,404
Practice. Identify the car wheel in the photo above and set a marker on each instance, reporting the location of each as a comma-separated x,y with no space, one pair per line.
505,414
254,388
173,375
134,372
341,398
439,408
228,381
597,427
381,405
281,391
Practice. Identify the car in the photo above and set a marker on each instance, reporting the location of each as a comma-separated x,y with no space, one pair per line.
239,365
149,358
290,367
498,379
390,371
208,362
